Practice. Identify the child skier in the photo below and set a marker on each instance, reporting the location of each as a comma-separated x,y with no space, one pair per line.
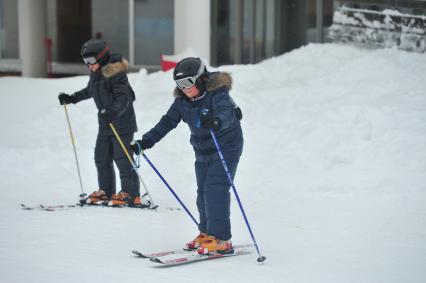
113,96
202,101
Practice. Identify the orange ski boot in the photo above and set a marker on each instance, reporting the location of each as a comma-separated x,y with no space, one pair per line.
97,197
120,199
214,245
141,202
195,244
125,199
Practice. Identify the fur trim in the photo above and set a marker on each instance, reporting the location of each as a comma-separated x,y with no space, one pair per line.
219,80
115,68
215,81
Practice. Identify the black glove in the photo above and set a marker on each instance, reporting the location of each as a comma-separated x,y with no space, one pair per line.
210,122
66,98
108,116
139,145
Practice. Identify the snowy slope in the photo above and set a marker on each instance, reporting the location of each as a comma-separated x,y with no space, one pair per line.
333,176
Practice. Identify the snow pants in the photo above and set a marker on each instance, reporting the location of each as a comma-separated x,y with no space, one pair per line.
107,150
213,196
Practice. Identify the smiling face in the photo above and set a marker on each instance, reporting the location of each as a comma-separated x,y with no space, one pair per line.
191,92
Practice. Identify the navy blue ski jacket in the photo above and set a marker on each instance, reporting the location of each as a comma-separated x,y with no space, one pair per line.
218,103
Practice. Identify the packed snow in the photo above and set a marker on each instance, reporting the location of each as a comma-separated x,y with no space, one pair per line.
332,177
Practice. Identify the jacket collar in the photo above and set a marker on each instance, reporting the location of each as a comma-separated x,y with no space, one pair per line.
113,68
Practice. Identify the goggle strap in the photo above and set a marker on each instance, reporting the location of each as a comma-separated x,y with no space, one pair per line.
201,69
102,53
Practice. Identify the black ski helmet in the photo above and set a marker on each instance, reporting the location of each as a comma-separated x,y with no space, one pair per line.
96,48
189,67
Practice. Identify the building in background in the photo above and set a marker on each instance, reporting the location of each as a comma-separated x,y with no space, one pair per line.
220,31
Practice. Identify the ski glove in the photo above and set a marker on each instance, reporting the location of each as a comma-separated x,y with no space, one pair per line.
108,116
66,98
139,145
210,122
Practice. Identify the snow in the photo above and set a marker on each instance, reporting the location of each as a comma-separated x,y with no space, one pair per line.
332,178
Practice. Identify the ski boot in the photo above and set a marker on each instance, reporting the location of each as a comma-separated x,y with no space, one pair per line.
125,199
97,198
195,244
140,201
214,245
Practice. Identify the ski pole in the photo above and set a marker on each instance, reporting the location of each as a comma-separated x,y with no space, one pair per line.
82,195
260,258
133,164
170,189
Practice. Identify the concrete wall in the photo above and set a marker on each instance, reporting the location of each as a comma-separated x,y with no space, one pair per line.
32,32
192,27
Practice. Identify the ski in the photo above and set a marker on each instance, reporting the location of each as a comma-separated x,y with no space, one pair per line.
50,207
44,207
193,256
177,252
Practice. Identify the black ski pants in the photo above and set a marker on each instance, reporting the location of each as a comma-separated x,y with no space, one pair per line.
107,150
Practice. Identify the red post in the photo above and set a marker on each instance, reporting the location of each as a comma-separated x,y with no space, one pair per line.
166,64
48,43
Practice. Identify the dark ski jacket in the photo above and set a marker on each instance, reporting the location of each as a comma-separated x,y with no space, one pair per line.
111,90
218,102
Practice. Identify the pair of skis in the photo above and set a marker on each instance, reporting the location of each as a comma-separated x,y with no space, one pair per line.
83,203
177,257
77,205
45,207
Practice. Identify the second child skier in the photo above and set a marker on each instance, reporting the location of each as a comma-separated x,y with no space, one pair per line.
202,101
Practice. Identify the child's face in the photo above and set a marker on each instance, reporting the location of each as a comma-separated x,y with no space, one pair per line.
191,92
94,67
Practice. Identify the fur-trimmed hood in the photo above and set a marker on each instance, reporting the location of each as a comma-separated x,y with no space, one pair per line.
115,66
215,81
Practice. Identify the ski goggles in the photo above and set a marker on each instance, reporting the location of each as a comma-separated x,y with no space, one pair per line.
186,82
90,60
94,59
189,82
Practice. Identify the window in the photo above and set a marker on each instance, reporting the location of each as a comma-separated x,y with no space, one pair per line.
154,29
243,31
9,29
110,22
